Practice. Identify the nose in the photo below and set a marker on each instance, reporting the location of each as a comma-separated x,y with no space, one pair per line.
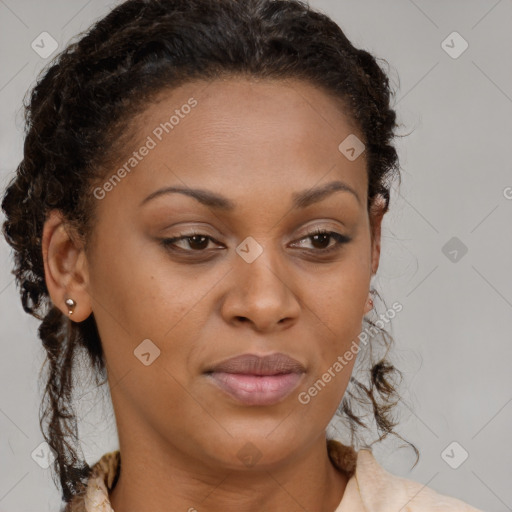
262,293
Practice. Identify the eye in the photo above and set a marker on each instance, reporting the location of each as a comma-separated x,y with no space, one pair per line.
197,242
321,237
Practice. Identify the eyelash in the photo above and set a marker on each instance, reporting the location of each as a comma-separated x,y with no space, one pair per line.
339,238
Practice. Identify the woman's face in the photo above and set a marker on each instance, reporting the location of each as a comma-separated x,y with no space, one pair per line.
254,158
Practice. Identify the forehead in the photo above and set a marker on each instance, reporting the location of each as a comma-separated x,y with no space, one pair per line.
241,132
255,105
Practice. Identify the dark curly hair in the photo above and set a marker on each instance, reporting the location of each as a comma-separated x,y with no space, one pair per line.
76,126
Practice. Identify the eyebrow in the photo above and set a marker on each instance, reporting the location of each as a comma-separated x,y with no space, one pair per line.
213,200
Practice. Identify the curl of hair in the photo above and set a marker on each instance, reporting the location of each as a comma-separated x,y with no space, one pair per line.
75,130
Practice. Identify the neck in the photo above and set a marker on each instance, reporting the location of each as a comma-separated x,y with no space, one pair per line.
161,478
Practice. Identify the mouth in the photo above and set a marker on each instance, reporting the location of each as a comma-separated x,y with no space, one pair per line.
255,380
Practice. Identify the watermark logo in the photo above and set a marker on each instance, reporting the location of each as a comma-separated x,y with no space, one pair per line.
146,352
304,397
351,147
454,45
454,455
175,119
44,45
249,249
43,455
454,249
249,454
150,144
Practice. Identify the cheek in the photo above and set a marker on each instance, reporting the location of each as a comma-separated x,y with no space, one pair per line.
133,284
142,299
337,308
337,298
146,297
336,345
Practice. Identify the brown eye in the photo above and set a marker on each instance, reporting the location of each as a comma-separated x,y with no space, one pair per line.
196,242
320,240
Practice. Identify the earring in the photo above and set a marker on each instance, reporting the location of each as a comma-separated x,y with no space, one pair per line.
70,303
370,302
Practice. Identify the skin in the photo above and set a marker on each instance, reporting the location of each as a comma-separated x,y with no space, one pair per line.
256,143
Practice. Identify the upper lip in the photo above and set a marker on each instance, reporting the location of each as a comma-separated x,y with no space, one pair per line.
252,364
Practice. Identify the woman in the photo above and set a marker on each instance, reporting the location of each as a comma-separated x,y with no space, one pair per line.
199,209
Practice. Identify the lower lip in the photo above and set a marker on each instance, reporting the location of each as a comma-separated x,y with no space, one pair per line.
255,389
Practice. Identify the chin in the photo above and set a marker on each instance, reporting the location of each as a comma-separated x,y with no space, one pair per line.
257,446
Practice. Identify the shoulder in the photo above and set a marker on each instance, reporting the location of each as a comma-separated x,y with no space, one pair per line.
95,496
381,491
375,489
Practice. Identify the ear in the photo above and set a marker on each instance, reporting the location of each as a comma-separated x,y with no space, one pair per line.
378,208
65,266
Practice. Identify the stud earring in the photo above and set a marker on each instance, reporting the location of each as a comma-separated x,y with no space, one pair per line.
370,302
70,303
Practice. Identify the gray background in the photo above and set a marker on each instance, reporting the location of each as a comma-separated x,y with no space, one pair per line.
453,339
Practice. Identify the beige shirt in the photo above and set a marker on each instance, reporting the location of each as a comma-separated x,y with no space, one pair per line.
370,487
